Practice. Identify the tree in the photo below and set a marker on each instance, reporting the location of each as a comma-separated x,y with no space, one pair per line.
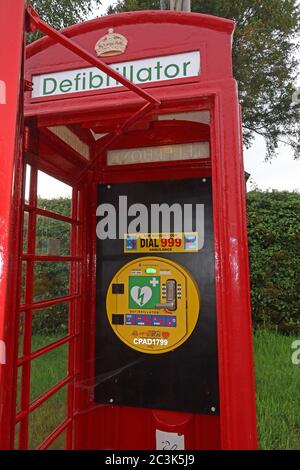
62,13
264,63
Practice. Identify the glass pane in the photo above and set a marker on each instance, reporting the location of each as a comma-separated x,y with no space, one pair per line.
27,183
52,237
59,443
25,232
21,334
17,434
53,195
49,325
51,279
47,370
46,418
19,388
23,281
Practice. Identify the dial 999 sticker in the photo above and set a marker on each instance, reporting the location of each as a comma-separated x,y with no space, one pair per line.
179,242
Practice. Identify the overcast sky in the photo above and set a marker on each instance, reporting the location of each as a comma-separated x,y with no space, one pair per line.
282,172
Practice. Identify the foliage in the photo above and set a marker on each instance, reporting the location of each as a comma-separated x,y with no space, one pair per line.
274,249
264,63
51,321
133,5
62,13
61,205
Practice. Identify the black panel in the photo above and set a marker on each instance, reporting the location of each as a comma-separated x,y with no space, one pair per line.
185,379
117,319
118,288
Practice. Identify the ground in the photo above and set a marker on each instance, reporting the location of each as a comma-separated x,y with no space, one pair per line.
277,389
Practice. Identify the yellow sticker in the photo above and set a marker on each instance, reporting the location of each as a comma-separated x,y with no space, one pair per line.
180,242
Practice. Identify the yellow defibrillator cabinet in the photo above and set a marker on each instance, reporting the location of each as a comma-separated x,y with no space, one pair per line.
153,304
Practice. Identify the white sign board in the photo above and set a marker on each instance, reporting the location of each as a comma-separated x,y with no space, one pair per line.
141,71
169,440
163,153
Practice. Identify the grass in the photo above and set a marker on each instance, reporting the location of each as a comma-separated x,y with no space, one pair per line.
46,371
277,392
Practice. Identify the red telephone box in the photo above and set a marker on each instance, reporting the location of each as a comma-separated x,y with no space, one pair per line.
140,104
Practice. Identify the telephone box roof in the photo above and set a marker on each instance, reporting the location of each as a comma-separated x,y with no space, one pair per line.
134,18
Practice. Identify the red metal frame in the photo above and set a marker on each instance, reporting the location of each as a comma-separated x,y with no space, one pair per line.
38,23
214,90
11,102
30,305
237,385
152,102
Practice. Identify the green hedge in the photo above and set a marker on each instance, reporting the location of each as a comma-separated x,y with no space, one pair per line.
274,248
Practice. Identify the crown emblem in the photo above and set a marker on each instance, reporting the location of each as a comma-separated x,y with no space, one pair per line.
111,44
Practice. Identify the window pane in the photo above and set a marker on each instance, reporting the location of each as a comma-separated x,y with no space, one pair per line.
17,434
52,237
47,370
23,281
49,325
53,195
59,443
19,388
25,232
21,334
51,279
46,418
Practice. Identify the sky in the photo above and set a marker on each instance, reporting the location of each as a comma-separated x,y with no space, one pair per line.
281,173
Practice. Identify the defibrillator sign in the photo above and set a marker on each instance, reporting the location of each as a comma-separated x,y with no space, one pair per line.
180,242
144,291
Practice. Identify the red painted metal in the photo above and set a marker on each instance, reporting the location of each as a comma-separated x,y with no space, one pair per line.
232,276
24,362
51,215
151,34
11,53
50,302
108,141
162,133
39,352
152,102
79,51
